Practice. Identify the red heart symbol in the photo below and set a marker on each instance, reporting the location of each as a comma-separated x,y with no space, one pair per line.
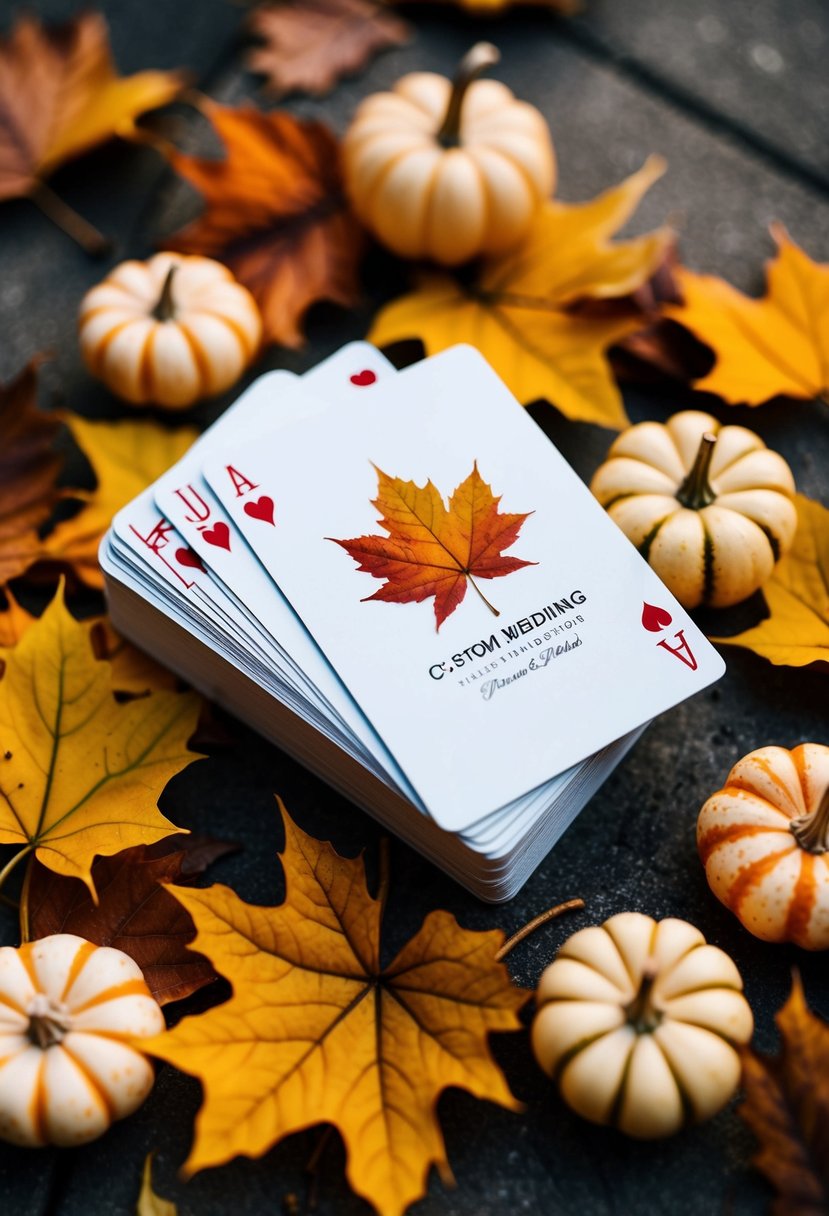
218,535
261,509
654,618
186,557
364,378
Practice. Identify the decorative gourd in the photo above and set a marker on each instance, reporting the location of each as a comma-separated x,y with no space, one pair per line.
764,842
69,1012
169,331
637,1021
710,507
449,170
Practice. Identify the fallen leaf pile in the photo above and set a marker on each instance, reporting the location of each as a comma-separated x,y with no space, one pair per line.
517,309
80,774
318,1030
787,1108
275,214
432,550
310,44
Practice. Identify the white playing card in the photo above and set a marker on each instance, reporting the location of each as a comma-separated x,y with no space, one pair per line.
489,706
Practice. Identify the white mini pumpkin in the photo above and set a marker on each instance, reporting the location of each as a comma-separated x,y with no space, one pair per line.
69,1011
446,169
637,1021
169,331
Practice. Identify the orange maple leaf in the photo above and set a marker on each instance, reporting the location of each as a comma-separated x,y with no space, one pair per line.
778,345
318,1030
276,214
434,551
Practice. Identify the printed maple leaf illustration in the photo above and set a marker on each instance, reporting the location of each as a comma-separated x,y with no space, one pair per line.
432,551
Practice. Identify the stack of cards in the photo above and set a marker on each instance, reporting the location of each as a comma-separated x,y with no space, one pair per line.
398,579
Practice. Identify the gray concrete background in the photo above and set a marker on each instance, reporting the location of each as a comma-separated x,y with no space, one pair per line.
735,95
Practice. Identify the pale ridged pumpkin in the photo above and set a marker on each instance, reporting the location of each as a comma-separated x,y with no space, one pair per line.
69,1013
169,331
637,1022
709,506
764,842
448,170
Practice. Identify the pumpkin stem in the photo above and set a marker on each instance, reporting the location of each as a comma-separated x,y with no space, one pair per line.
641,1012
569,905
165,309
80,230
695,492
812,831
48,1021
481,56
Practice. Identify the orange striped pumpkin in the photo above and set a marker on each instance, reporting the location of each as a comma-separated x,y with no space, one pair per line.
69,1013
169,331
764,842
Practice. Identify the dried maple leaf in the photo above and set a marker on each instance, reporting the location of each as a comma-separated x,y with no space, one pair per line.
80,774
134,912
434,551
318,1031
29,467
787,1108
310,44
768,347
486,8
276,214
59,96
517,310
126,457
14,622
133,671
797,595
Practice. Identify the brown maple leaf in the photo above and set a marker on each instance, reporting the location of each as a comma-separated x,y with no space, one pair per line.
134,912
59,96
432,551
318,1030
275,214
310,44
29,466
787,1108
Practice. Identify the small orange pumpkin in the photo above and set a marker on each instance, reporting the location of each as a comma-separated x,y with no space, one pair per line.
764,842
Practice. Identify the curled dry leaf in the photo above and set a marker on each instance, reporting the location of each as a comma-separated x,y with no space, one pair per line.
485,8
134,912
764,348
125,457
787,1108
318,1031
133,671
796,631
310,44
29,466
14,621
275,214
432,550
518,310
80,774
60,95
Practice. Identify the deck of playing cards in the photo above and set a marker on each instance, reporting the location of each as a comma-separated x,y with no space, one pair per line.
398,579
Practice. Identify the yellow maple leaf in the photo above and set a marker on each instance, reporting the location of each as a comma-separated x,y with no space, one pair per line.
80,774
318,1031
126,457
777,345
797,595
518,313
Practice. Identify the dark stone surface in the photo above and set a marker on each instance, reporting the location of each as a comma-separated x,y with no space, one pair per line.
633,847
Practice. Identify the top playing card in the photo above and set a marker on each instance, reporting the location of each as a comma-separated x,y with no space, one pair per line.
491,621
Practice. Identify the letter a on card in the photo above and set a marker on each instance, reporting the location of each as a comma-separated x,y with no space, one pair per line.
241,484
683,651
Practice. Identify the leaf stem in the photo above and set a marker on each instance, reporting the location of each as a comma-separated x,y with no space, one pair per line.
80,230
491,607
12,862
569,905
695,492
25,933
481,56
385,875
